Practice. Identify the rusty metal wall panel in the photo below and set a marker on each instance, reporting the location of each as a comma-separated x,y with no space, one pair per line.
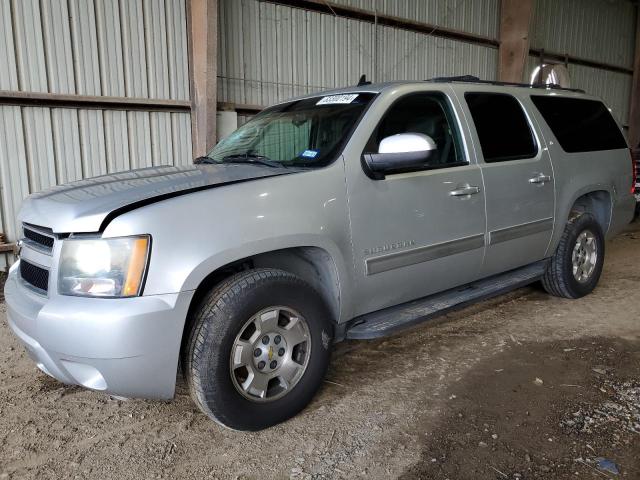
269,53
595,29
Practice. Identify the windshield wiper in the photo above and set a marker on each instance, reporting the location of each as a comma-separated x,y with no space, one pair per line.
204,160
252,158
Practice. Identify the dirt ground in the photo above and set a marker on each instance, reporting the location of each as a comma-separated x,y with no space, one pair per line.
522,386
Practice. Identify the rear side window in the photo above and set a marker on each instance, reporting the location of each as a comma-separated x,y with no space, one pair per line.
502,126
580,125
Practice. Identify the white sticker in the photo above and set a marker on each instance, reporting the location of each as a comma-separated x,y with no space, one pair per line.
332,99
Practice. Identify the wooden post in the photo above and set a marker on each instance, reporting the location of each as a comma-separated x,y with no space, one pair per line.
515,18
634,111
202,23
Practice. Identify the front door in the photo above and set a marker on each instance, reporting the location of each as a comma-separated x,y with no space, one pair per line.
518,179
421,232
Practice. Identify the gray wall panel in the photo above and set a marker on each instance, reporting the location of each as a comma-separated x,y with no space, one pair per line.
9,77
66,144
269,53
595,29
39,148
30,55
85,47
119,48
481,17
13,174
57,41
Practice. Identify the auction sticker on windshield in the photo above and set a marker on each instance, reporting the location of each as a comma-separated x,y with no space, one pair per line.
333,99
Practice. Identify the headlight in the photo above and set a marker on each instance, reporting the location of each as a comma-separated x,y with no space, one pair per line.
110,267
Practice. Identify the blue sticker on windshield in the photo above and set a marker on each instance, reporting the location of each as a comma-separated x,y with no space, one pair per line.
309,153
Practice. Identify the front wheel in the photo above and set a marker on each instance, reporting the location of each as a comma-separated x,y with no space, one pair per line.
258,350
575,268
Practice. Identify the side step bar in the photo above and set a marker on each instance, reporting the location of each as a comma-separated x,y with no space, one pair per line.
394,319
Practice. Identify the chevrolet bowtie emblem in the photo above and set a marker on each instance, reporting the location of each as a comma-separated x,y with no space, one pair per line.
270,353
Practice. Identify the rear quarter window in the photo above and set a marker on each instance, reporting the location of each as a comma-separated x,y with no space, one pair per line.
502,126
580,125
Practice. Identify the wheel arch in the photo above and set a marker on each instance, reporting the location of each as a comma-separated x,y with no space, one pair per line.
314,264
596,199
596,202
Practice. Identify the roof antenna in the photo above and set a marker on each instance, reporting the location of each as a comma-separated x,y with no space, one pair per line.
363,81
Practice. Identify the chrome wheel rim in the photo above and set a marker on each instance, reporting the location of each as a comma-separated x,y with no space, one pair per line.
270,354
584,256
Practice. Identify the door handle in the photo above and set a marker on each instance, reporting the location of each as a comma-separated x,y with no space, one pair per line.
464,191
540,178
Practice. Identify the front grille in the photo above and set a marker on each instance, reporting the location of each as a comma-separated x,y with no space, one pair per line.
35,276
38,237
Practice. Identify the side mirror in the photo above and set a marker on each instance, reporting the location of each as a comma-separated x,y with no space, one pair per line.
401,153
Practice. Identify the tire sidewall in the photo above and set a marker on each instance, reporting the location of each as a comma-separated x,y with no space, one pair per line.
579,225
220,396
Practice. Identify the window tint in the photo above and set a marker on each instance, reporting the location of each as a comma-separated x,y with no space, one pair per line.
503,128
580,125
426,113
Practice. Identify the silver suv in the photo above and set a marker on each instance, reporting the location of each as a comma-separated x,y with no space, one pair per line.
348,214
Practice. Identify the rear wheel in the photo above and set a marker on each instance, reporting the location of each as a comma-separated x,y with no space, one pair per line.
575,268
258,350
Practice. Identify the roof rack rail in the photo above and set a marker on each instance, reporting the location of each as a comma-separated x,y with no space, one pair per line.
473,79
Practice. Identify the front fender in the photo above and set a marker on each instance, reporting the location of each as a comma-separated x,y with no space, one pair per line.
194,235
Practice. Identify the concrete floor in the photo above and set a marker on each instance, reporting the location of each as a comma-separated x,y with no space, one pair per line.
509,388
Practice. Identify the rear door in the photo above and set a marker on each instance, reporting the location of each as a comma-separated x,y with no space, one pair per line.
518,180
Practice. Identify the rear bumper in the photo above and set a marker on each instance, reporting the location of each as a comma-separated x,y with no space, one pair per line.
126,347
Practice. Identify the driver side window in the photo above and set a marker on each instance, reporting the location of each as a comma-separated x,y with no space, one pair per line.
427,114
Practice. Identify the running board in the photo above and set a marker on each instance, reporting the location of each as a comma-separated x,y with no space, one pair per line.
393,319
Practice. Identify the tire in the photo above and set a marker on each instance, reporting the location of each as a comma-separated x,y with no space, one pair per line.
224,321
559,278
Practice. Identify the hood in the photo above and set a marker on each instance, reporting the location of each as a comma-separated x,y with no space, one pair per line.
88,205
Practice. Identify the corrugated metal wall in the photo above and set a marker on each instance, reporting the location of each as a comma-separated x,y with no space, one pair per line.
120,48
598,30
473,16
268,53
601,30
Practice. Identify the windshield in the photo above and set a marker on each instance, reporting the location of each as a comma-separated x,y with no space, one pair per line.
304,133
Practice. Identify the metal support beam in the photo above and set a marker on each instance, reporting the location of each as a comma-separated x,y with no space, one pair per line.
56,100
202,19
634,113
515,19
